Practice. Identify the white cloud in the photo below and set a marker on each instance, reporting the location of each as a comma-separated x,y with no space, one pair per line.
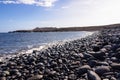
65,7
44,3
89,12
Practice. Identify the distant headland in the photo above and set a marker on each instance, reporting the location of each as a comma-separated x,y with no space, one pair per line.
84,28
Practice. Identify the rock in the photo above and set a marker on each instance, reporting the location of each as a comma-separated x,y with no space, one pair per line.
72,77
36,77
103,50
99,63
115,66
105,79
100,70
81,55
34,51
18,74
113,78
13,71
108,47
1,62
86,55
2,74
11,64
82,70
118,49
92,63
92,76
95,47
60,61
114,59
98,55
2,78
117,54
7,72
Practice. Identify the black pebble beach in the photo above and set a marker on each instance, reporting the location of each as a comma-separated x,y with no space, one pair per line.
96,57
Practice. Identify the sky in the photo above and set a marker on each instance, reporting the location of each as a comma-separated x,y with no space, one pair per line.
28,14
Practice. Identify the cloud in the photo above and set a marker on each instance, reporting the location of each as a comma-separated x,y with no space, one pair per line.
43,3
65,7
89,12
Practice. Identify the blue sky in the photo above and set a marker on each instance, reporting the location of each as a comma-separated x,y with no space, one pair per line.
28,14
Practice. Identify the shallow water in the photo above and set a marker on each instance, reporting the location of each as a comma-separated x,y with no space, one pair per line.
13,42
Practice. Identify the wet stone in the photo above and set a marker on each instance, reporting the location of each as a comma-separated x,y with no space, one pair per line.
6,72
72,77
93,76
98,55
2,78
13,71
95,47
102,69
115,66
36,77
82,70
92,63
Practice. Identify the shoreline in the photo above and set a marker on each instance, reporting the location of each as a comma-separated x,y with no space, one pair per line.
40,47
95,57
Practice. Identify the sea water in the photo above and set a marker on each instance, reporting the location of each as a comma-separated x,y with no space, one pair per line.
14,42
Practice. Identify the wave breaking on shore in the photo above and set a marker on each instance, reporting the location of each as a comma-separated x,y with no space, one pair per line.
41,47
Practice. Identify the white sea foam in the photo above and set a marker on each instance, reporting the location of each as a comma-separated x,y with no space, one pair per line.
46,45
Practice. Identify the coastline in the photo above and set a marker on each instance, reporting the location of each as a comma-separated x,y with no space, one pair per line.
95,57
27,51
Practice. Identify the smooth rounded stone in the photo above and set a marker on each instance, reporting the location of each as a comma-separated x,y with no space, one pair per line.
92,63
113,78
39,64
11,64
13,76
108,47
98,55
34,51
3,78
66,78
6,72
2,74
37,71
93,76
75,63
118,49
86,55
13,71
109,74
1,62
115,66
117,54
52,73
60,61
95,47
82,70
46,71
18,74
36,77
99,63
31,59
76,56
72,77
100,70
103,50
114,59
105,79
81,55
53,64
